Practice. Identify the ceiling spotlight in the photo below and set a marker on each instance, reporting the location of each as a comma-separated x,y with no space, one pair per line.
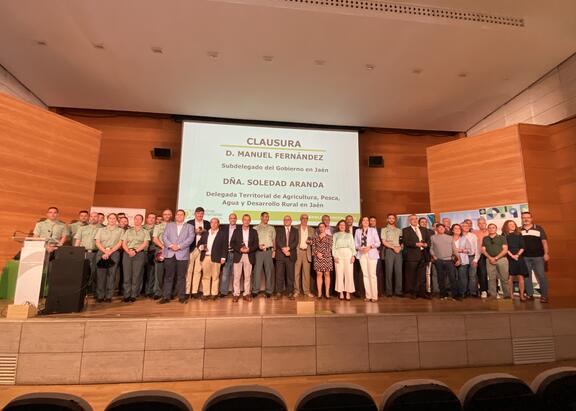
212,54
41,43
417,71
157,50
370,67
268,58
463,74
98,46
320,62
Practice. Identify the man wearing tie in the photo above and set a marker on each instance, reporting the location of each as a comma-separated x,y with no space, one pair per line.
176,239
286,244
229,264
194,271
244,242
416,242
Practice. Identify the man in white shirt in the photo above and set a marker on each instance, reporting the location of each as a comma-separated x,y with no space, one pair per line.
194,272
213,246
303,258
229,264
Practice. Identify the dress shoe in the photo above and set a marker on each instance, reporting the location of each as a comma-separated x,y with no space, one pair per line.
544,300
132,299
182,300
290,296
204,298
268,295
164,301
310,295
100,300
235,299
126,300
108,300
157,297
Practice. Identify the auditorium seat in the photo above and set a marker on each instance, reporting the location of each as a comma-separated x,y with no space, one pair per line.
245,398
419,395
498,392
152,400
341,397
47,401
556,389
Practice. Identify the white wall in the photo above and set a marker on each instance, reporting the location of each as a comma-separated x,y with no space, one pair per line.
11,86
549,100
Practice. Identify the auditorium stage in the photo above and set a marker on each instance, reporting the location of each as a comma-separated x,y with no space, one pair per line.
147,308
205,340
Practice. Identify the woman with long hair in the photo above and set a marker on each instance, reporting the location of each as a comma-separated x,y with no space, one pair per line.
343,250
517,268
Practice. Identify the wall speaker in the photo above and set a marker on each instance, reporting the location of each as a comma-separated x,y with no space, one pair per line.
375,161
161,153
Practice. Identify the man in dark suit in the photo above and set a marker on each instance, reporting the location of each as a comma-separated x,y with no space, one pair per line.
244,242
213,246
286,244
416,243
227,270
195,267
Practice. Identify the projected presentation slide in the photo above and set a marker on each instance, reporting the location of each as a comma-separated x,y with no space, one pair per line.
249,169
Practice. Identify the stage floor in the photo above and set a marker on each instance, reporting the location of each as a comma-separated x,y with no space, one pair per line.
225,307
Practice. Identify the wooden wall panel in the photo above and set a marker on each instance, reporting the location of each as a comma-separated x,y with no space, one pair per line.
46,160
477,171
128,176
401,186
549,154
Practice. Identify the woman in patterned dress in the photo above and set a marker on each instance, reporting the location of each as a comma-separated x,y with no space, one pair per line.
322,251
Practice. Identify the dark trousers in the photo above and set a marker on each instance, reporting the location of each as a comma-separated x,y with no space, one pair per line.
150,273
91,257
133,274
446,269
284,275
415,277
106,274
482,274
380,276
358,279
175,268
393,267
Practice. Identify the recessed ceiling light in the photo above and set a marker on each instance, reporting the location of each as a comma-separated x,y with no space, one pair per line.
417,71
320,62
370,67
212,54
157,50
463,74
268,58
98,46
41,43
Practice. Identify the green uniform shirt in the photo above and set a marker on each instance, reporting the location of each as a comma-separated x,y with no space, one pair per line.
150,230
494,245
109,237
159,231
86,234
266,234
135,238
391,234
343,240
51,231
73,228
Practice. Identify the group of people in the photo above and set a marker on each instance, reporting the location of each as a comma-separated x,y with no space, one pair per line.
164,256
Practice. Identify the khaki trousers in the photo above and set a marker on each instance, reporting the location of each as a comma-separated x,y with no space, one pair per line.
210,272
243,264
302,269
194,272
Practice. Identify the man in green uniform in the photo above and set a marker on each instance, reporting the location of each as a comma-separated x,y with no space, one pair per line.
150,252
159,246
51,229
85,237
135,243
108,241
83,217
